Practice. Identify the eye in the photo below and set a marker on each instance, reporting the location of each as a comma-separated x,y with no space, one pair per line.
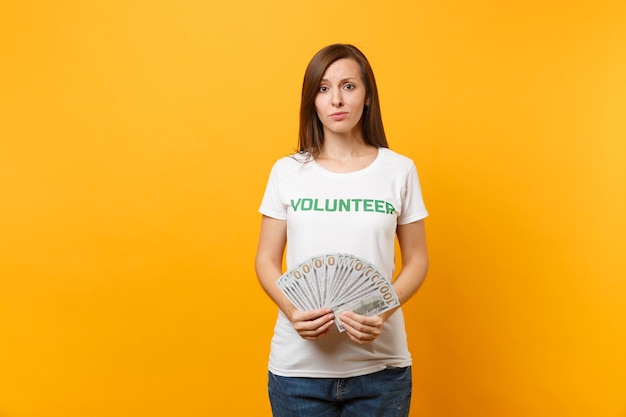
349,86
323,89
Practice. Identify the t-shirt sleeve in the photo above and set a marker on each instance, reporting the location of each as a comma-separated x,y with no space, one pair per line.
413,208
272,205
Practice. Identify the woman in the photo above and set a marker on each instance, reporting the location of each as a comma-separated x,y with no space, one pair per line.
315,370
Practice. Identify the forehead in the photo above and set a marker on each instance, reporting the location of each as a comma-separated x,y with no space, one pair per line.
343,69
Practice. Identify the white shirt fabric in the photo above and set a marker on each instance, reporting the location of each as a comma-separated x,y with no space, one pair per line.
355,213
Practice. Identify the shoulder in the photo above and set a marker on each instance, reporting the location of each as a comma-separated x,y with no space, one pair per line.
393,158
290,163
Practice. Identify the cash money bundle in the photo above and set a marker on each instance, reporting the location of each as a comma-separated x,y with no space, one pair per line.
340,281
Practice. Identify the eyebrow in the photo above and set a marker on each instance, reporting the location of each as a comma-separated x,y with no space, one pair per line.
343,80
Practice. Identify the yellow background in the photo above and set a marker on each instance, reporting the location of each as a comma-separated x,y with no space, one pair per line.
135,142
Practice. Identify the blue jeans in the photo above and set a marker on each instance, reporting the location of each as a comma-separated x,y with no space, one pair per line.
382,394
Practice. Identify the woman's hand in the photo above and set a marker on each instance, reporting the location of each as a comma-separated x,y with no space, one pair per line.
361,329
313,324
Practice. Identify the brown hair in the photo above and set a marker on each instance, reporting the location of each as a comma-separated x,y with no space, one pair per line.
311,137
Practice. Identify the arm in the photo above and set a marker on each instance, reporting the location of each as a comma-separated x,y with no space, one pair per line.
412,241
269,257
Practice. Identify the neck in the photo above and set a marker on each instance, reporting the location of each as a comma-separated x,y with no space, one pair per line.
346,156
344,146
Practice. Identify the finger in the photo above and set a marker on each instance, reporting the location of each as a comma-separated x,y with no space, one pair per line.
361,332
361,323
310,314
359,337
313,324
374,321
317,333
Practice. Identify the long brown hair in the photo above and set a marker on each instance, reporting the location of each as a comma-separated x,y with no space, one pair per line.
311,137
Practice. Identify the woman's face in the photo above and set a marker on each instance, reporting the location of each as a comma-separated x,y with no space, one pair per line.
341,98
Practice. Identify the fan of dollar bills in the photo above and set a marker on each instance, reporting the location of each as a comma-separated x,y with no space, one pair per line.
340,281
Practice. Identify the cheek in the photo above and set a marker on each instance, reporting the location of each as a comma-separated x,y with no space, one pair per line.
364,100
318,104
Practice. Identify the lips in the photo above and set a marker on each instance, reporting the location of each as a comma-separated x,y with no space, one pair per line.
339,115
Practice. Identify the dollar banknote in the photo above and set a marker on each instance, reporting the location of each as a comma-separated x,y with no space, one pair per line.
340,281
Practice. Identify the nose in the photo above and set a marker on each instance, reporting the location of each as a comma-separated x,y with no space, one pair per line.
337,99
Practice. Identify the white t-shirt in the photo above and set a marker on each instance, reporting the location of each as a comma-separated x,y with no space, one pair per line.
355,213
